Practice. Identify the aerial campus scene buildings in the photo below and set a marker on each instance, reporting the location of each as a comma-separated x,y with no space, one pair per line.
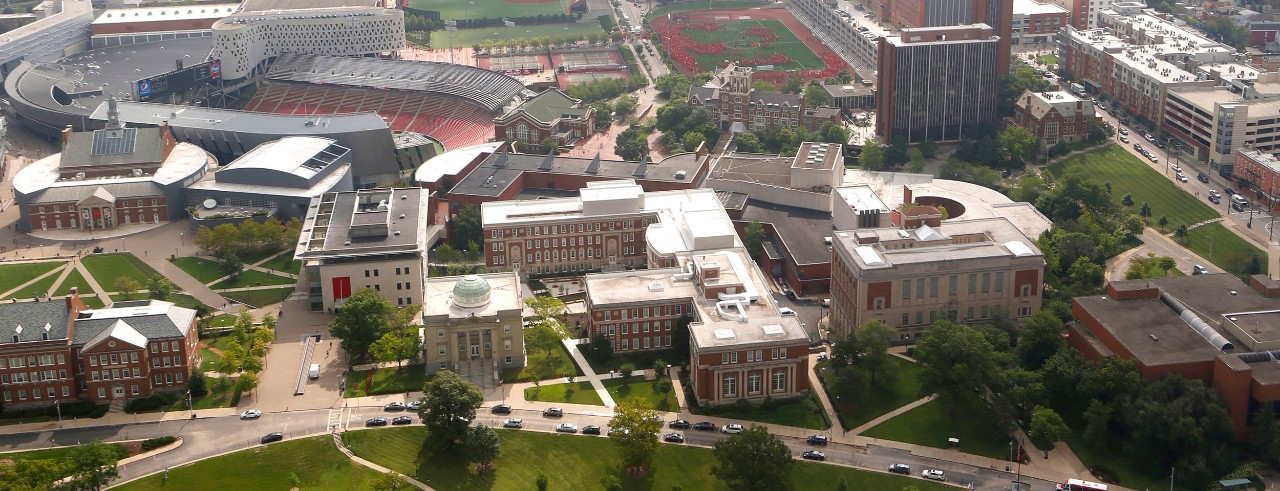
904,244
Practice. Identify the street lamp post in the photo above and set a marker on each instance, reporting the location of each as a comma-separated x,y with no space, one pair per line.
182,239
58,407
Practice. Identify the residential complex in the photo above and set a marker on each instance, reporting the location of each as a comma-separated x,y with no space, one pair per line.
371,238
1257,173
550,114
1038,21
1083,13
958,96
738,107
59,350
474,325
1216,122
1054,117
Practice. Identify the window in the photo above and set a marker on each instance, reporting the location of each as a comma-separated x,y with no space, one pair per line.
177,361
920,288
906,318
733,357
968,314
951,285
440,348
626,344
986,282
168,378
933,287
95,375
984,311
155,349
133,390
646,342
753,384
730,385
973,284
1026,291
999,282
440,334
906,289
164,347
724,358
879,303
102,392
93,360
115,359
506,345
133,357
8,397
66,392
779,380
137,372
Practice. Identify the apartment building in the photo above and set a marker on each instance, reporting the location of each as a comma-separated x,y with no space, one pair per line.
1037,22
474,325
848,28
1258,175
371,238
958,96
964,270
612,225
1214,123
62,350
1083,13
1054,117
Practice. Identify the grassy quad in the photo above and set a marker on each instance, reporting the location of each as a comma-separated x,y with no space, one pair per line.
260,297
1229,251
283,262
927,425
579,462
660,393
39,288
488,9
1128,175
465,38
13,275
805,412
732,32
575,393
315,461
203,270
74,279
57,453
107,268
537,367
252,277
390,380
880,400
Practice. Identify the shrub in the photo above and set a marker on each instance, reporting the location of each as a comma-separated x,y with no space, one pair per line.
154,443
743,404
152,403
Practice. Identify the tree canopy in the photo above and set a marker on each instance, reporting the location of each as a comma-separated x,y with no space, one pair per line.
957,363
365,318
449,405
753,460
637,426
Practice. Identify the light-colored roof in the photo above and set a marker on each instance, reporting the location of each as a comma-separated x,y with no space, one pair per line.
957,240
504,295
1032,7
861,198
168,13
184,161
452,162
300,155
978,201
120,330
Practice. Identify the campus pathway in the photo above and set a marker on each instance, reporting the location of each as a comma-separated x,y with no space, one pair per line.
587,372
185,282
892,414
337,441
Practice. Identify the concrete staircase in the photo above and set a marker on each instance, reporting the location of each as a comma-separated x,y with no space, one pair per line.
117,405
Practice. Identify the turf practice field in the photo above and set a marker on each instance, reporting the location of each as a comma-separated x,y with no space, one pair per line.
465,38
741,45
490,9
770,39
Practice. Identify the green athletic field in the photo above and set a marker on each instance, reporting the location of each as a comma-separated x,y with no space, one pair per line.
489,9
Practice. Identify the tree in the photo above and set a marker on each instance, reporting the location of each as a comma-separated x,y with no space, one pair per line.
632,144
610,482
92,466
624,106
1264,435
815,95
232,357
753,460
159,287
541,336
1181,232
392,481
550,143
31,475
1040,338
1047,424
672,83
1085,272
541,482
763,86
928,148
872,157
1017,143
637,436
873,340
448,406
1162,222
600,349
396,346
916,161
753,236
747,142
1145,210
361,321
197,385
795,82
692,140
957,363
466,227
127,286
625,370
483,446
247,381
230,265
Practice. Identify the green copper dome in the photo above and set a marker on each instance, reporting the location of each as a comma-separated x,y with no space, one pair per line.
471,292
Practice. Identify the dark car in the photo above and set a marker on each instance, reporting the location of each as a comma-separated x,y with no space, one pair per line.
814,455
1215,198
816,440
272,437
673,438
900,469
376,422
394,406
705,426
590,430
501,409
1228,191
1202,177
553,412
679,424
402,420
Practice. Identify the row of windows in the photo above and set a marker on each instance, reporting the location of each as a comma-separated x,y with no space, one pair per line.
23,377
628,345
119,204
643,312
441,333
442,348
729,384
633,328
32,360
164,347
116,358
51,392
571,254
565,229
114,374
567,241
753,356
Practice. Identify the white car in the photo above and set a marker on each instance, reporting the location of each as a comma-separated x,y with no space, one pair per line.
1182,177
566,428
513,423
1124,139
251,414
786,311
1177,168
934,474
732,429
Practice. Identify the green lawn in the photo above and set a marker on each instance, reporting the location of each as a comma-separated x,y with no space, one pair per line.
1128,175
92,301
1230,252
22,421
487,9
1049,59
210,358
222,320
705,5
927,425
255,257
318,465
735,31
45,285
187,301
261,297
880,400
12,275
203,270
659,392
642,360
579,462
60,454
283,262
77,280
805,412
107,268
392,380
465,38
575,393
252,277
537,367
1110,457
220,395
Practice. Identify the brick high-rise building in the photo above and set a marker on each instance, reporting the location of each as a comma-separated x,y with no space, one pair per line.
998,14
937,83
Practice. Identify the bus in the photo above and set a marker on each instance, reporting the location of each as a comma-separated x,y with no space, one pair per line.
1081,485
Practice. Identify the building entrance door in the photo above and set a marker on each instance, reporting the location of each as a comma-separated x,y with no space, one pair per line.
475,351
117,391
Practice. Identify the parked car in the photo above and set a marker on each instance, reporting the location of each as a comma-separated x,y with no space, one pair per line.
816,440
673,438
1159,144
513,423
376,422
900,469
814,455
590,430
1228,191
705,426
1199,269
1215,199
618,430
1177,168
272,437
1202,177
501,409
1153,157
732,429
553,412
1182,177
402,420
394,406
786,311
679,424
413,406
1124,131
251,414
1124,139
1149,137
934,474
566,428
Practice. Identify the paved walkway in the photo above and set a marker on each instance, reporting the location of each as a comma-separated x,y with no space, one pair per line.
184,281
587,372
337,441
891,414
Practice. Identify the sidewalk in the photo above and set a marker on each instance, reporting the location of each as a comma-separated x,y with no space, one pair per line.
337,441
587,372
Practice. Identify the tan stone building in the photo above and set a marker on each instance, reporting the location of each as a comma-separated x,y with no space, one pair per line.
474,325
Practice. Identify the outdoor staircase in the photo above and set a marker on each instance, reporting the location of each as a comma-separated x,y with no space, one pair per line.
117,405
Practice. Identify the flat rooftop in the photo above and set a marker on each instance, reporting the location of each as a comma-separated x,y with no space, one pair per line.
502,170
257,5
860,198
978,201
957,240
504,294
1263,158
755,167
1032,7
451,162
800,230
303,156
368,221
167,13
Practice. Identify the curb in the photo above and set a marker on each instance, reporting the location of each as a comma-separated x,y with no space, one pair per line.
152,452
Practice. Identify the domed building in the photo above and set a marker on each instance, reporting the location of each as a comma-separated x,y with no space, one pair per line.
474,325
